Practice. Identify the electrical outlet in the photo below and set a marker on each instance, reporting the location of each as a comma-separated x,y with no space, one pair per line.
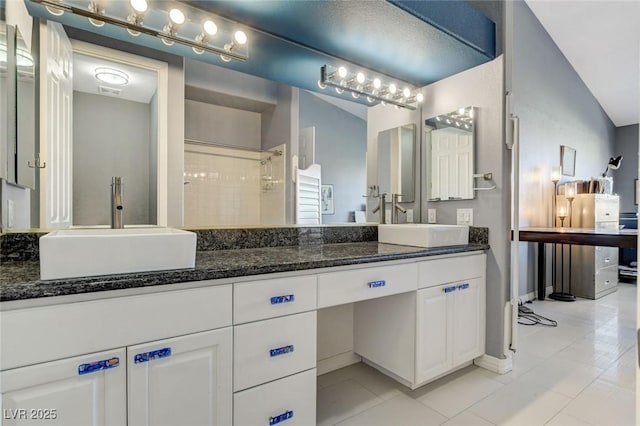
431,216
464,216
409,215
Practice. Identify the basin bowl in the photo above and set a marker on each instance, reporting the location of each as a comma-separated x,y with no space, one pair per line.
423,234
72,253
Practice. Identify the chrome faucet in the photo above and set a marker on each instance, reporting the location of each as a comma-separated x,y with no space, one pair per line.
117,205
382,207
395,207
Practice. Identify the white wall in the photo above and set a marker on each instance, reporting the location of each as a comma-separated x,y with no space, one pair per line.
221,125
481,87
20,197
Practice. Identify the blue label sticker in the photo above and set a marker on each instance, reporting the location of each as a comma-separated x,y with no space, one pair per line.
450,289
280,417
463,286
150,356
104,364
281,351
275,300
374,284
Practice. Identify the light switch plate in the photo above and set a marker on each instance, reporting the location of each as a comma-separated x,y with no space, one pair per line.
431,216
464,217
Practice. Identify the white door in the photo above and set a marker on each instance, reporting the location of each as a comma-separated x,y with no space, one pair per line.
56,127
452,162
434,346
468,321
81,391
181,381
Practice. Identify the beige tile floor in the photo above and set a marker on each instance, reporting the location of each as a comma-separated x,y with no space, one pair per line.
580,373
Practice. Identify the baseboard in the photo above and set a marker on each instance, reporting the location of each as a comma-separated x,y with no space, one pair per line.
497,365
336,362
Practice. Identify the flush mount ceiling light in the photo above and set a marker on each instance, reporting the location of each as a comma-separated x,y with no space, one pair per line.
171,21
359,84
111,76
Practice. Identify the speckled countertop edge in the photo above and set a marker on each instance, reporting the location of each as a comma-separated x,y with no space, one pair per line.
20,280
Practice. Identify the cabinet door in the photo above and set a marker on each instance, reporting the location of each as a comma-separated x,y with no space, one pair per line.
83,391
181,381
468,321
434,346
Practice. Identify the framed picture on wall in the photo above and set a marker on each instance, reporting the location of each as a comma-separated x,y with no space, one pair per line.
636,192
568,160
326,199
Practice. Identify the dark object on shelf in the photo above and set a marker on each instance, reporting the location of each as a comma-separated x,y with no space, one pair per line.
628,257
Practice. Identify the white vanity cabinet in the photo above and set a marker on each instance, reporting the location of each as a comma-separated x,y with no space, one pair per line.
85,391
418,336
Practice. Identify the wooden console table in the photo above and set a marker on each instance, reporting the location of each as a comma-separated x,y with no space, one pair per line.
624,238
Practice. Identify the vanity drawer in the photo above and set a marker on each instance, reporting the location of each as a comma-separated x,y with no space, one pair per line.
606,257
442,271
257,300
290,401
606,278
271,349
337,288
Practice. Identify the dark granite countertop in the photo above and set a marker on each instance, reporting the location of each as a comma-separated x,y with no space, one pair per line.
21,280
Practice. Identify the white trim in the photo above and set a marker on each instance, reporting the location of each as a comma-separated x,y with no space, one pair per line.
162,70
499,366
336,362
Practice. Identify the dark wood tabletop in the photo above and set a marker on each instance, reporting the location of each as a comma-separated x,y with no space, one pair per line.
624,238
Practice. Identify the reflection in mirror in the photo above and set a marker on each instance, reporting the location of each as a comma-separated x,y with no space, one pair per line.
3,96
25,114
396,162
449,139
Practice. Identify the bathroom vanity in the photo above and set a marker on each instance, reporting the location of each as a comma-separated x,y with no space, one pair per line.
238,346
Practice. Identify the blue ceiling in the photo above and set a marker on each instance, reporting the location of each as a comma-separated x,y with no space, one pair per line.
418,42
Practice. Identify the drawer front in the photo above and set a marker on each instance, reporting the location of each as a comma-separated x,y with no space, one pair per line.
606,278
289,402
337,288
607,209
606,257
34,335
257,300
271,349
441,271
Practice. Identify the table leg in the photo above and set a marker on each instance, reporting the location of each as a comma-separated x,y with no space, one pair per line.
541,271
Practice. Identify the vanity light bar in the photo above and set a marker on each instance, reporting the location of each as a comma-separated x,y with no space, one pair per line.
168,34
373,88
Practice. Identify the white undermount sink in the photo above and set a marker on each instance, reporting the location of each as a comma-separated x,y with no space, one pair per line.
74,253
423,234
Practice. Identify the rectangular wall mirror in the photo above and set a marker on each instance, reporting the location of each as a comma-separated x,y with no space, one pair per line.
449,142
4,95
396,161
25,113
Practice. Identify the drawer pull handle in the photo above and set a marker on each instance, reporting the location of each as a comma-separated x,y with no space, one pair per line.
463,286
280,351
286,298
92,367
280,418
374,284
150,356
449,289
607,259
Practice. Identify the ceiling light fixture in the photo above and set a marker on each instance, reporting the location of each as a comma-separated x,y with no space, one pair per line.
359,84
196,29
111,76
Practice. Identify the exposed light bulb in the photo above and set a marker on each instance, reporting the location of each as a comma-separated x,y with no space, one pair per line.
461,111
55,11
377,83
339,91
240,37
342,72
392,89
419,97
139,6
370,99
176,16
210,27
438,118
96,8
355,95
406,92
360,78
321,85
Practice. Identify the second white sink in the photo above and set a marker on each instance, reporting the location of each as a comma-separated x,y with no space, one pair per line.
74,253
423,234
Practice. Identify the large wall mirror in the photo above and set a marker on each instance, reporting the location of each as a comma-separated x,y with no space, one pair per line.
450,140
396,161
4,95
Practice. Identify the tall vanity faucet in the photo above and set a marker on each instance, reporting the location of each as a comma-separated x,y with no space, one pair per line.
382,207
395,207
117,204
